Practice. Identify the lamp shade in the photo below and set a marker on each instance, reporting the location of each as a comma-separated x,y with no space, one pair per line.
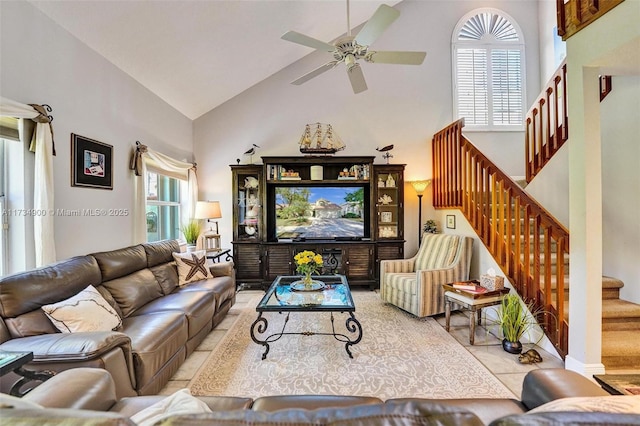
207,210
420,185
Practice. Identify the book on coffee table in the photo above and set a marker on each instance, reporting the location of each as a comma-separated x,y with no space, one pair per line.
473,289
468,286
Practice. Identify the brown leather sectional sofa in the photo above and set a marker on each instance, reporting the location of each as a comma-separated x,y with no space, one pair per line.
162,323
91,396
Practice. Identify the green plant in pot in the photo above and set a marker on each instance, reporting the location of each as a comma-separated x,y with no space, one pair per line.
191,231
430,227
514,321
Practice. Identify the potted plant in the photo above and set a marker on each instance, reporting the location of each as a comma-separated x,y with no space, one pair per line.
430,227
191,231
514,320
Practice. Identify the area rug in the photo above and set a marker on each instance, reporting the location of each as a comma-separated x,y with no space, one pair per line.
399,356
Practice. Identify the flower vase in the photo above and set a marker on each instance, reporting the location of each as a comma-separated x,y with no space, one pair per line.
307,280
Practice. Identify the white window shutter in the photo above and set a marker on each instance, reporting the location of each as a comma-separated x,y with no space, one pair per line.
488,66
506,84
473,99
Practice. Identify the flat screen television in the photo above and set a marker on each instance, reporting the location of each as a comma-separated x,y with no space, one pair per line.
318,212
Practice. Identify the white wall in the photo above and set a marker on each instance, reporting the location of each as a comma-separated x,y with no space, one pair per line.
621,184
550,187
42,63
404,105
552,48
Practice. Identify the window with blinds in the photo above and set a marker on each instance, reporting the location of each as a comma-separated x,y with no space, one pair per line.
488,53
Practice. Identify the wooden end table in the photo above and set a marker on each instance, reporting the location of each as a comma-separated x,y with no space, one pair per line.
472,301
216,256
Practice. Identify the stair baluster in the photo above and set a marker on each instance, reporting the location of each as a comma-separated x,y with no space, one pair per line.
530,246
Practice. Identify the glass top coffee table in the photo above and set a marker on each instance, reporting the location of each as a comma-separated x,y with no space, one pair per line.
335,296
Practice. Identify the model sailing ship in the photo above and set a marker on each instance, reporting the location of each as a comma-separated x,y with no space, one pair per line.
322,140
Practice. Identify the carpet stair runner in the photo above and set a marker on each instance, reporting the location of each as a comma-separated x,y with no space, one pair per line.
620,328
620,322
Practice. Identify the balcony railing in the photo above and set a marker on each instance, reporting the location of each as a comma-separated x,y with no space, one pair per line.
546,124
574,15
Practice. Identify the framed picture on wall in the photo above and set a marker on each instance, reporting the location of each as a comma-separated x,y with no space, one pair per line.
451,221
91,163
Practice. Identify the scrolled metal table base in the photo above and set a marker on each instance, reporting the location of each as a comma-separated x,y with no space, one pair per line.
261,324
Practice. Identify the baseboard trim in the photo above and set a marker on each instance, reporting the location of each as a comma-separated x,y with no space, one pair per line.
587,370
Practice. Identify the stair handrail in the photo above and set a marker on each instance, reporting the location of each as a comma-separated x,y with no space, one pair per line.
493,203
546,123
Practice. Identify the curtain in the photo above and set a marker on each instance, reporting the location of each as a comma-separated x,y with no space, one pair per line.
43,200
145,159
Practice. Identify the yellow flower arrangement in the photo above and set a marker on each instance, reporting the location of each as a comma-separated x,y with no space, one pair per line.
308,262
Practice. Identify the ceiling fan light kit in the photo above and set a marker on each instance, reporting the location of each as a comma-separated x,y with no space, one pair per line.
349,49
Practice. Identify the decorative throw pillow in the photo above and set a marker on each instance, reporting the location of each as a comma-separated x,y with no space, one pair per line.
192,266
626,404
86,311
181,402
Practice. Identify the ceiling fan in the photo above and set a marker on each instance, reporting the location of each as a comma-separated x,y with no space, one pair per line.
350,49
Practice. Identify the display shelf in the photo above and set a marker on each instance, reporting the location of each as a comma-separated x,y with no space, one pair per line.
260,256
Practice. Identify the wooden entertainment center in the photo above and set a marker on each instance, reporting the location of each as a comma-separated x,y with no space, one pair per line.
353,236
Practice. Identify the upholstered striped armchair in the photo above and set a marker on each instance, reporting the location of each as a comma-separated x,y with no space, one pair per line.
415,284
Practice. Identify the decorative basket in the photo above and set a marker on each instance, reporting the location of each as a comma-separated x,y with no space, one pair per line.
491,283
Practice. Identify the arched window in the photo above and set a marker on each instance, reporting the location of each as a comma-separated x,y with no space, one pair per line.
488,67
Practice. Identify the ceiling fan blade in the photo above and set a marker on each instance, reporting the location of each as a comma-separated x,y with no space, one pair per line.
357,79
308,76
305,40
381,19
395,57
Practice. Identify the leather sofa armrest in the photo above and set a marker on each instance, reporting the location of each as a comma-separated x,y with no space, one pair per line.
310,402
67,347
78,388
62,417
132,405
545,385
222,269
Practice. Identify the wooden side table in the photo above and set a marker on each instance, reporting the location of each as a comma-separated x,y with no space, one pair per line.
217,256
472,301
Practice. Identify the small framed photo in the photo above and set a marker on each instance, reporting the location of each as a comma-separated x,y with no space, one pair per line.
91,163
451,221
386,217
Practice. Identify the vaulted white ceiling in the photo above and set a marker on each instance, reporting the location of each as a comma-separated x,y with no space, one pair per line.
196,55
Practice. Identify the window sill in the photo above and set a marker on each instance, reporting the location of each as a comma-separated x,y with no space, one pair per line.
492,129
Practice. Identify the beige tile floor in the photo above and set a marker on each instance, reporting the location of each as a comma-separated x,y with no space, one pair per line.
487,349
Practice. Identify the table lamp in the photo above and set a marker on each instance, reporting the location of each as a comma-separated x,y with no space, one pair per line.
208,210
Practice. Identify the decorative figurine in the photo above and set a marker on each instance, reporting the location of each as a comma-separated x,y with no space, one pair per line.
250,182
530,357
385,199
391,182
380,182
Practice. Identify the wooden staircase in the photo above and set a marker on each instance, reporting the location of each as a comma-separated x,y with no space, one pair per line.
620,328
530,246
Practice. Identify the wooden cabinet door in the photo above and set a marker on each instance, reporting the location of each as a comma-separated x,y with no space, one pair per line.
247,261
359,261
278,260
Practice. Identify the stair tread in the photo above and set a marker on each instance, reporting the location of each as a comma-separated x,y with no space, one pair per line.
621,343
617,308
610,282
